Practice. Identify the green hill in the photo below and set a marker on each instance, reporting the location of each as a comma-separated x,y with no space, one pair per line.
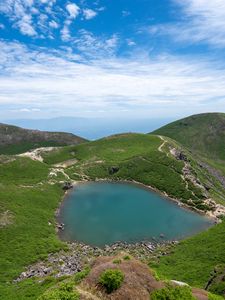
14,140
203,134
30,192
143,158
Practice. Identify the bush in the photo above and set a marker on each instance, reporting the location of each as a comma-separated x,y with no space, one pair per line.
78,277
173,293
117,261
111,279
63,292
215,297
126,257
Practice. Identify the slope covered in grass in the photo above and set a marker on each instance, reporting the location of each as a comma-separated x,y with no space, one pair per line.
194,260
27,206
203,133
136,157
14,140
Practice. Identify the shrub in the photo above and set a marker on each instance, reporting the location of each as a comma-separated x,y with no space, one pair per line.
126,257
111,279
173,293
65,291
215,297
78,277
117,261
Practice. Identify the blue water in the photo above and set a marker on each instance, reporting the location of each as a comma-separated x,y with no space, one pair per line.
102,213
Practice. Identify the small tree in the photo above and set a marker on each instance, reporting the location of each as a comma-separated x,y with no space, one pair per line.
111,279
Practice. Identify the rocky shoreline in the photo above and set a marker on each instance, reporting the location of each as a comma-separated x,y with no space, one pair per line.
73,260
217,210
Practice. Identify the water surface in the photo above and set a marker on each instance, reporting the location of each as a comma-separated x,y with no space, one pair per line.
100,213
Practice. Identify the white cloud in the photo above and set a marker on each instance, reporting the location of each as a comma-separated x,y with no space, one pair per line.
41,18
65,33
73,10
49,80
96,46
53,24
130,42
17,11
25,26
89,13
2,26
201,21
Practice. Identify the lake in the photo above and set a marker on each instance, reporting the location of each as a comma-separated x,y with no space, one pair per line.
100,213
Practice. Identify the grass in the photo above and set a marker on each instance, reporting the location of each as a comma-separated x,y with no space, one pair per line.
15,140
173,293
202,133
26,146
194,259
30,201
134,156
28,237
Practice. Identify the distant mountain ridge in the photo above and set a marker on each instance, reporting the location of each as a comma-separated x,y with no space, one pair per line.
14,140
204,134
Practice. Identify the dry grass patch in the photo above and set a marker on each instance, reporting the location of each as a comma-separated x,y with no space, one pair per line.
6,218
138,282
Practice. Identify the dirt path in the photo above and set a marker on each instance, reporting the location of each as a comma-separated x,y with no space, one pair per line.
162,145
66,164
36,153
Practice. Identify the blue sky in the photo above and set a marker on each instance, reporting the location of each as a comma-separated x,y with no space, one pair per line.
106,58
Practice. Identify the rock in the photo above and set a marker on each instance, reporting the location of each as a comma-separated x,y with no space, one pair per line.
67,186
179,283
60,226
113,170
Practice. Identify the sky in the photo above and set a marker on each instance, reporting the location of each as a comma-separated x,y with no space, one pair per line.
111,58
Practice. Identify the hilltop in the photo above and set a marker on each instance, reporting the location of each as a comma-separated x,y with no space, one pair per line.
204,134
14,140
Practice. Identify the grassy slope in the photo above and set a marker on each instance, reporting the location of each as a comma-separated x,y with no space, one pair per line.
138,158
135,155
14,140
204,134
28,237
194,259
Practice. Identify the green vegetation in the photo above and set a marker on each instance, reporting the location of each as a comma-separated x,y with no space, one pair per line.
193,260
29,198
173,293
126,257
29,234
15,140
111,279
202,133
214,297
117,261
65,291
134,157
78,277
26,146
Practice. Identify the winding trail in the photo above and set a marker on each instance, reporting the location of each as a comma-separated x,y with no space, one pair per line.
162,145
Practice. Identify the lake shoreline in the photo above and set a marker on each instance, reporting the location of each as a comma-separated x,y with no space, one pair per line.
60,225
155,190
